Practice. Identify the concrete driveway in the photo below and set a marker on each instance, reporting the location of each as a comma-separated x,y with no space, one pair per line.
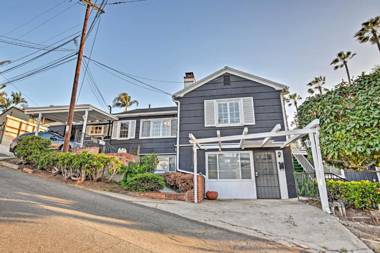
37,215
289,222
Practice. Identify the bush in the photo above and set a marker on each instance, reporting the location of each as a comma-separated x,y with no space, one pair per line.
146,164
145,182
357,194
37,152
30,148
181,182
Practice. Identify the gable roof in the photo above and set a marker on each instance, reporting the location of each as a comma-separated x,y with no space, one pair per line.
232,71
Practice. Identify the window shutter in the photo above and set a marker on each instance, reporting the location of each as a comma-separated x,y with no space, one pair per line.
132,129
248,111
115,129
209,113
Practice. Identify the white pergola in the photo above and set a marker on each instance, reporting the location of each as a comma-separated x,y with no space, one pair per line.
261,140
83,113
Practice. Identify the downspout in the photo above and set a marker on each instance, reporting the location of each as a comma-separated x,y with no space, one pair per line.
285,118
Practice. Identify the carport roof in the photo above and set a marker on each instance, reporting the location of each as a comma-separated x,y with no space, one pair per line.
59,113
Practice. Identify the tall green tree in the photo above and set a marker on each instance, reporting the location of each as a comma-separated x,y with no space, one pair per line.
349,122
370,32
17,99
342,61
316,85
123,100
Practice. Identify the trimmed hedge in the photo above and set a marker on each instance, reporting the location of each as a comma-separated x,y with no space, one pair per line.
357,194
37,152
145,182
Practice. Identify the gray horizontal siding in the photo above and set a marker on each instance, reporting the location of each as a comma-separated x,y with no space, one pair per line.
144,146
267,105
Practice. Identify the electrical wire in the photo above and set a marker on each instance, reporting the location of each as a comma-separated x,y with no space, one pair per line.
129,76
35,17
36,57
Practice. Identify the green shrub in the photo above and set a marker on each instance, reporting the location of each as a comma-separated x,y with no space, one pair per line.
30,148
357,194
145,182
146,164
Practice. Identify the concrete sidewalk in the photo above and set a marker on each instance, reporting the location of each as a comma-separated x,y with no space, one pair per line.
286,221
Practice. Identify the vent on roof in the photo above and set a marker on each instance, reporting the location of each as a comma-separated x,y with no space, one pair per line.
226,79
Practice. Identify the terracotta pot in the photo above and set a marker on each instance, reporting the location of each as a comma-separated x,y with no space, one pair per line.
211,195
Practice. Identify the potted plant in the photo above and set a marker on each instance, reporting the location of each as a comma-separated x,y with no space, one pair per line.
212,195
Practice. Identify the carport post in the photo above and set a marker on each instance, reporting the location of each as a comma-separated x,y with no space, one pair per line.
319,171
85,118
38,123
195,179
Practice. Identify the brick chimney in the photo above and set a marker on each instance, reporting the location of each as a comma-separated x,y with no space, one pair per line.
188,79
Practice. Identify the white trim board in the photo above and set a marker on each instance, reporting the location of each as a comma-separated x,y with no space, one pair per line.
232,71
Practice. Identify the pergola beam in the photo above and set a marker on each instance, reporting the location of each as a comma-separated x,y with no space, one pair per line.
275,129
245,132
219,142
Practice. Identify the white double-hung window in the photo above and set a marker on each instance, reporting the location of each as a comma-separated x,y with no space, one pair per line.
124,129
158,128
229,112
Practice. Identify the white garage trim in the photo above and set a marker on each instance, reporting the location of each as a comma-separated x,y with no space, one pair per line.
282,174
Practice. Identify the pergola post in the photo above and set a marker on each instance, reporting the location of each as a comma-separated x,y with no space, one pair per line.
38,124
85,118
319,171
195,179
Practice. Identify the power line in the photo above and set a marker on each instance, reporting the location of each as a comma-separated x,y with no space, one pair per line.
92,48
47,20
35,17
46,67
129,76
36,57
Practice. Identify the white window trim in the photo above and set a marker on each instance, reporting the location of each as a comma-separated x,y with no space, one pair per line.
229,100
241,112
217,164
168,171
96,134
156,137
129,128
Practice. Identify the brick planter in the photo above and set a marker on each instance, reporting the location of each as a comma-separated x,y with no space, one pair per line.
184,196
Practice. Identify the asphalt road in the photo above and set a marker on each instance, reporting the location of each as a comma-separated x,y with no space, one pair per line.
38,215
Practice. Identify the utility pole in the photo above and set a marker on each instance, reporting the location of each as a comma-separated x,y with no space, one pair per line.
70,117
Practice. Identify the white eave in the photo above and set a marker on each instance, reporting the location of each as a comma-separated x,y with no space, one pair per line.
140,114
232,71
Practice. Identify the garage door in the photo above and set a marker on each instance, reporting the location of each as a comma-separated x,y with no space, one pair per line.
231,174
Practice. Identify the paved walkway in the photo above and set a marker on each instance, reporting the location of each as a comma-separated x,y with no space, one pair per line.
286,221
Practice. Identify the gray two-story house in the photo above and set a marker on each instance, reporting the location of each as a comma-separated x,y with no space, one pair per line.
227,102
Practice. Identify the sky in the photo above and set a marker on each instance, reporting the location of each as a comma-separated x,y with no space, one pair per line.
157,41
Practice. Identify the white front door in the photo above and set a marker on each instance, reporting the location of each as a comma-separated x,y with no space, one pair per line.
231,174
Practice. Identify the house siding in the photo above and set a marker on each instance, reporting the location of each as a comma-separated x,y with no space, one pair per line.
145,146
267,107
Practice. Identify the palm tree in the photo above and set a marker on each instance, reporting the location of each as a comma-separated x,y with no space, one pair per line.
18,99
3,98
341,61
370,32
123,100
292,99
317,85
6,103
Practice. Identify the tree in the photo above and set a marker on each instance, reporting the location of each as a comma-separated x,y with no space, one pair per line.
3,98
341,61
18,99
6,104
317,85
349,122
293,99
123,100
370,32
